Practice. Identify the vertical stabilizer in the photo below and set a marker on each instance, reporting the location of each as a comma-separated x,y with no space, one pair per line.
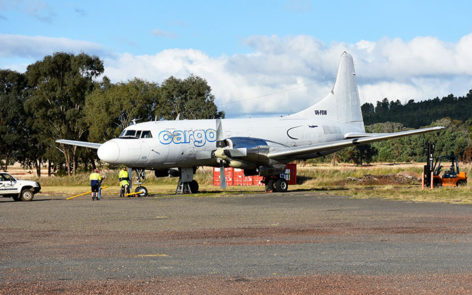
342,104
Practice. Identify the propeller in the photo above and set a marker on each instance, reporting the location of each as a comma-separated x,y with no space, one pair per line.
220,144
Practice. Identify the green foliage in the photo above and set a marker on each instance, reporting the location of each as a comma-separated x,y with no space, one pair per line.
59,84
58,97
417,114
454,138
190,98
13,91
111,107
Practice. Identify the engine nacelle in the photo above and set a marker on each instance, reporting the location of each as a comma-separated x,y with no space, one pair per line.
246,150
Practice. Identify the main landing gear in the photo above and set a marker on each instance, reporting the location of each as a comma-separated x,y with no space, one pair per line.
186,184
275,184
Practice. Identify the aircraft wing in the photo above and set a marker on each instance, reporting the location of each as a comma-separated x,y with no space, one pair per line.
86,144
333,145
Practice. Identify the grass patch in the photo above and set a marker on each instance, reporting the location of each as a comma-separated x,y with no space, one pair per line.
324,179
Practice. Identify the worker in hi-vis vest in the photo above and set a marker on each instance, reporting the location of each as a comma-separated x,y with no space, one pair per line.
95,181
124,182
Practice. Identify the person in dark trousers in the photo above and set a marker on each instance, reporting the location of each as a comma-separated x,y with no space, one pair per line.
95,180
124,182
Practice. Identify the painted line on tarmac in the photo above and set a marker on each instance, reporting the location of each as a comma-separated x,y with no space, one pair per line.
152,255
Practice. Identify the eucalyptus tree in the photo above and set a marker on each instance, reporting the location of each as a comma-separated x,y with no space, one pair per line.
59,84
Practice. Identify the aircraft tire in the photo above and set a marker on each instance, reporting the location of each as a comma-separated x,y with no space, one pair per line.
281,185
194,186
143,190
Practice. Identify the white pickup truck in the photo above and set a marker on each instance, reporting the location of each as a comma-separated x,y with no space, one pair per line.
19,190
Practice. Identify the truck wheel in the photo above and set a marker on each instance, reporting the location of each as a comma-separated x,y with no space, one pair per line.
16,198
27,195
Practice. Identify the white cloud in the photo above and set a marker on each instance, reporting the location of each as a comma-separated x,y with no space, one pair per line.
284,75
39,46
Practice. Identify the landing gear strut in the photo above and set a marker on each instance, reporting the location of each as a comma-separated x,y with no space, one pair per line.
275,184
186,184
140,178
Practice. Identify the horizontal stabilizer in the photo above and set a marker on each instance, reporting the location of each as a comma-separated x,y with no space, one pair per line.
86,144
333,145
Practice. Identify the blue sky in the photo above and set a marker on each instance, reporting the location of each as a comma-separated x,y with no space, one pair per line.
284,51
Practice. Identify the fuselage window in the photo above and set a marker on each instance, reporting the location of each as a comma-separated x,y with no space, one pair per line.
146,134
138,134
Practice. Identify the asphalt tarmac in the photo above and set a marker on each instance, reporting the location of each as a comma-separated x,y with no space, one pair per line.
305,241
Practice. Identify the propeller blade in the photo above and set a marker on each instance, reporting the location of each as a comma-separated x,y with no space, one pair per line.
222,176
219,130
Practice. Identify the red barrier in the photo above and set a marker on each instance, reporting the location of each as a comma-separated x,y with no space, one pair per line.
235,176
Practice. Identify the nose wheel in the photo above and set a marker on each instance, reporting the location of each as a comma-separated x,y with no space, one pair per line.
141,191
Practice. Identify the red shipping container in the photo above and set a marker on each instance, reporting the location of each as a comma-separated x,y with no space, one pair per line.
247,180
235,176
256,180
238,176
228,176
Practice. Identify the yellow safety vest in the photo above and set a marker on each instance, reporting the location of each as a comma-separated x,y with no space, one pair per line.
95,176
123,174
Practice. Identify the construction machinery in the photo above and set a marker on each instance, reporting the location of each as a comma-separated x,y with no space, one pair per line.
448,166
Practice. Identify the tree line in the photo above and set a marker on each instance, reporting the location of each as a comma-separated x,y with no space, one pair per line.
416,114
66,96
454,113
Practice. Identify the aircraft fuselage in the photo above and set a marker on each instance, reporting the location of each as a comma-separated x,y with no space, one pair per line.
189,143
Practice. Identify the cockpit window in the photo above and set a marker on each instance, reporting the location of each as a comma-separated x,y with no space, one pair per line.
146,134
136,134
128,134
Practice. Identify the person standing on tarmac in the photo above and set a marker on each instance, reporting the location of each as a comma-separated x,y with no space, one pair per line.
100,185
95,180
124,182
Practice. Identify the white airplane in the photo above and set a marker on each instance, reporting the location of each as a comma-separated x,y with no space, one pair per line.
261,146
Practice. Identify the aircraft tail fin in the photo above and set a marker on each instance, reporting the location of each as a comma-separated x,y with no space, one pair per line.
342,104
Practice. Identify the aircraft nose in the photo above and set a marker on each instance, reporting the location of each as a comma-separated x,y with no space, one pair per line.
109,152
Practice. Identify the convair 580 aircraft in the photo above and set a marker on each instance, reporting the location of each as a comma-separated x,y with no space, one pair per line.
261,146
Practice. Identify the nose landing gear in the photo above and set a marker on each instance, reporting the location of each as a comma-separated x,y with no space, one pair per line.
140,191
